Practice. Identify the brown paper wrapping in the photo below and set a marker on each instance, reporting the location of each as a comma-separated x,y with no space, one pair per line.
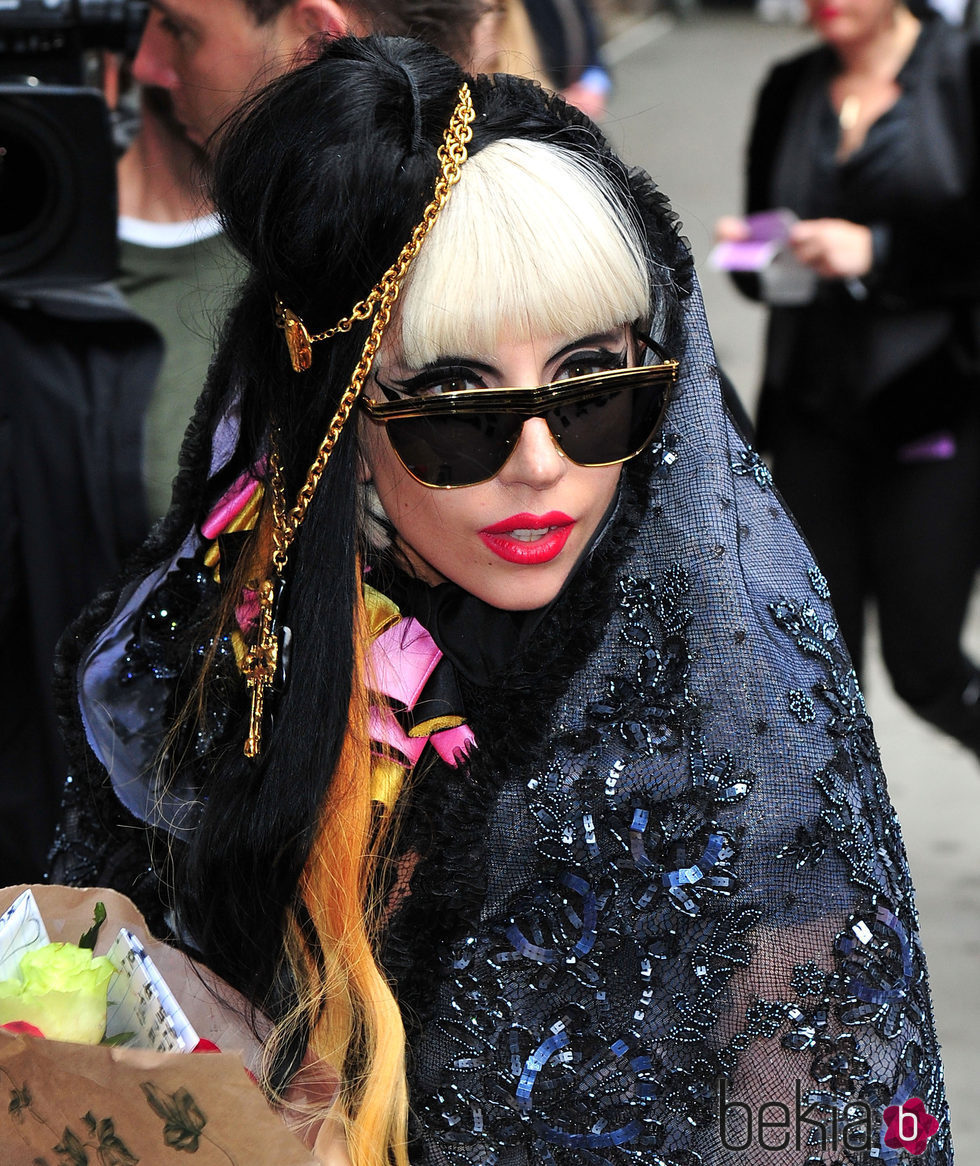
82,1105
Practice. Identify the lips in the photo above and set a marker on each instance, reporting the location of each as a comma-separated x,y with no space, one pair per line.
529,539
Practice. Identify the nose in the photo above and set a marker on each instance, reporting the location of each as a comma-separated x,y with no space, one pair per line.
537,461
152,64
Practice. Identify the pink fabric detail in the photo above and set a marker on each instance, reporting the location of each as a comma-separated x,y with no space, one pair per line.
401,661
453,745
230,505
247,612
386,730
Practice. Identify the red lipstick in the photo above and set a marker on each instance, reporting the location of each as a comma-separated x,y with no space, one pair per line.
529,539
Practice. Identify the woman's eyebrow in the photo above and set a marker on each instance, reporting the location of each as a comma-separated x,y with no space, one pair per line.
595,339
615,336
443,362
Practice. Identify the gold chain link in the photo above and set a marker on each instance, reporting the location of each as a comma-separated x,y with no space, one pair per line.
452,154
278,502
263,659
381,300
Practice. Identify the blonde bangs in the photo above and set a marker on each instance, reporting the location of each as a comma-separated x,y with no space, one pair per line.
531,242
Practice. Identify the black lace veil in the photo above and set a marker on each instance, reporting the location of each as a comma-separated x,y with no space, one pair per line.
696,891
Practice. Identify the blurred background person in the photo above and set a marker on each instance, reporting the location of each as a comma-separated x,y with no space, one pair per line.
195,64
176,269
869,404
77,367
558,43
210,56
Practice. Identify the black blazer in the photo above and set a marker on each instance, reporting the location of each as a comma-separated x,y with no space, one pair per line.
77,371
929,260
924,288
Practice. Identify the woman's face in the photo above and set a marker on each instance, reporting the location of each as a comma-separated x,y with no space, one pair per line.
844,22
511,541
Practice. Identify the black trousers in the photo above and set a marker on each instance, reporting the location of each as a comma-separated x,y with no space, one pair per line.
903,533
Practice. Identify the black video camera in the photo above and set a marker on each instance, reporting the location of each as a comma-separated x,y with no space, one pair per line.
57,160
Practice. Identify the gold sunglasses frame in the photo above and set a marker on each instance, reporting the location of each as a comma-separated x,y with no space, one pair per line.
527,403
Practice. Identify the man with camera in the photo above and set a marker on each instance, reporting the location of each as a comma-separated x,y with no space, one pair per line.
196,63
97,387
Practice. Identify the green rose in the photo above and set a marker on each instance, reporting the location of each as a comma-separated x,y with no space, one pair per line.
61,990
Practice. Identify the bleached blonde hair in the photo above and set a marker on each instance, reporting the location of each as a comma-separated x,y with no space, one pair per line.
532,242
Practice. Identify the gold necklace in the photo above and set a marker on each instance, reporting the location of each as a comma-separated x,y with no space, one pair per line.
850,111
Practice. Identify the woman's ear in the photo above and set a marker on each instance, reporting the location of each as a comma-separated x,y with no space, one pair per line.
378,531
328,18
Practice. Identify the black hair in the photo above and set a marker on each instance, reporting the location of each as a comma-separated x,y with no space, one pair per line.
319,181
265,10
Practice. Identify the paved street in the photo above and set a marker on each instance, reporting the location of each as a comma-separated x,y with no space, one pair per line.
683,99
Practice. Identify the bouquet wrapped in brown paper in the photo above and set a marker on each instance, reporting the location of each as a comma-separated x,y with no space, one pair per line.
115,1105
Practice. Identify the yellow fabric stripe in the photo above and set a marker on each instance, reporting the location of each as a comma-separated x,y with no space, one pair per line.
434,725
245,519
387,778
381,612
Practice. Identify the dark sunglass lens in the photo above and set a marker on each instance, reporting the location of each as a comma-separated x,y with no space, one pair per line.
610,427
454,450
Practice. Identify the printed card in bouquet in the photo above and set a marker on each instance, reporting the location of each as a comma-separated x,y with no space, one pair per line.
139,1096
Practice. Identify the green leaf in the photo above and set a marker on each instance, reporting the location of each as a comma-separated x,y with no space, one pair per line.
119,1039
90,938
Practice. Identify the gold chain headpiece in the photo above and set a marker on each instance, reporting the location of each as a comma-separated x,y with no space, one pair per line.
452,154
262,663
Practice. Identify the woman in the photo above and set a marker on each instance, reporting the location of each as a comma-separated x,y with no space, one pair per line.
869,403
501,724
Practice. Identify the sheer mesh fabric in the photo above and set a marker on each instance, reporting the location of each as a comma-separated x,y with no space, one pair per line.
696,883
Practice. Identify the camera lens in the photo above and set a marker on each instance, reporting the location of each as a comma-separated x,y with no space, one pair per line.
37,188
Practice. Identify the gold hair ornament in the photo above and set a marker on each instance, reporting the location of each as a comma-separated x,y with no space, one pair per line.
265,660
452,154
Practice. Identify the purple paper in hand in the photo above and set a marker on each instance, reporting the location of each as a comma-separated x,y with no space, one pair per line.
768,234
